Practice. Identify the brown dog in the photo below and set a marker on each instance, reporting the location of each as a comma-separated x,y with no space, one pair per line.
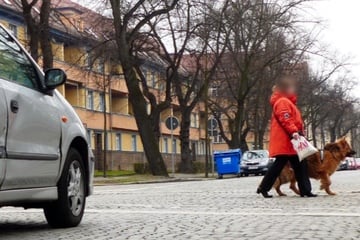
320,168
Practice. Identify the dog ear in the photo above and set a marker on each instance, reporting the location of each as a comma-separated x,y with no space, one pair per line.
332,147
343,143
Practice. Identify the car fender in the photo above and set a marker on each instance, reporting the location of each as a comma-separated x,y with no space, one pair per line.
71,129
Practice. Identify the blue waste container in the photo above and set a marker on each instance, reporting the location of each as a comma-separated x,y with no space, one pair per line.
228,162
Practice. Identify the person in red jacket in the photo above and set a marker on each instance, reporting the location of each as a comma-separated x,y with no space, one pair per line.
286,123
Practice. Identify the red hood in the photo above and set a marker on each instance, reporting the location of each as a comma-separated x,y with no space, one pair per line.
277,95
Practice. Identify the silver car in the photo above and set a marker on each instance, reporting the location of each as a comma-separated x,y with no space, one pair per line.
255,162
45,160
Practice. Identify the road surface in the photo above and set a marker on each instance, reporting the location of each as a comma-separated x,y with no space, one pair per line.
215,209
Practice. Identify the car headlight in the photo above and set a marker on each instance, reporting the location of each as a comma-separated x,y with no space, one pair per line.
264,162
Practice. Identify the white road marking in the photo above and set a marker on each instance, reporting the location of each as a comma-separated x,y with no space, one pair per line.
261,212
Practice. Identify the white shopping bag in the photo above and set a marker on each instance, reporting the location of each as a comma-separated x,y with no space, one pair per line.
303,148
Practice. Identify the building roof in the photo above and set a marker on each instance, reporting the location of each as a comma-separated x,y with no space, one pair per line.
68,17
77,24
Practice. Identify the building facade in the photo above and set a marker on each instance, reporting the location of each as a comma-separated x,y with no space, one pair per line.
97,90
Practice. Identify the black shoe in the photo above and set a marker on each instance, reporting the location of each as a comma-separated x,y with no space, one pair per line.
309,195
263,193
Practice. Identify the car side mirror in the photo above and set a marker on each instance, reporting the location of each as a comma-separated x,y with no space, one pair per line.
54,77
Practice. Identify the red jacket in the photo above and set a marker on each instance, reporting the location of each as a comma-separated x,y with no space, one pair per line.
285,121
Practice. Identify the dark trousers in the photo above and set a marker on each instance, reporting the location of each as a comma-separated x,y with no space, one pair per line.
300,170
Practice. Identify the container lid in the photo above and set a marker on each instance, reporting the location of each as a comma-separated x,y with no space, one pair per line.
238,150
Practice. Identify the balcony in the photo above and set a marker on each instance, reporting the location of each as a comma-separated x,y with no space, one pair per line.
90,78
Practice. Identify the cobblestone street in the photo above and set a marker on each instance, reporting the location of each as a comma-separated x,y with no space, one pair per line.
217,209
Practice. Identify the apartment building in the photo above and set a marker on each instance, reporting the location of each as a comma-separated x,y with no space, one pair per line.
96,86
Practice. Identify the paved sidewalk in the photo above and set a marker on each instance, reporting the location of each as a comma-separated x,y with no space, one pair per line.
142,179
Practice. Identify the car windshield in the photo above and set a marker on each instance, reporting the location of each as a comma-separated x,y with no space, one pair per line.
250,155
14,64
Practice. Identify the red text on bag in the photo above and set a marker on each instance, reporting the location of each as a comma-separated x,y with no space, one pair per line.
303,145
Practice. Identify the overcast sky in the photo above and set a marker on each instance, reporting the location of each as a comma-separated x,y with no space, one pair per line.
341,32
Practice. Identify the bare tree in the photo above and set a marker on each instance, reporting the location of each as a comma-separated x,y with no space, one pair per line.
37,18
264,41
130,20
329,111
102,59
191,42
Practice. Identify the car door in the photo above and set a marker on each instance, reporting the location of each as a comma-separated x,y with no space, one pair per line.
3,127
33,133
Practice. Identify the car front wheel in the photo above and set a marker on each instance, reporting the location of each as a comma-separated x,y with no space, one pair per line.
68,210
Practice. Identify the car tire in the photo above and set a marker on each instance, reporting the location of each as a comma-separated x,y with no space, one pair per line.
246,174
68,210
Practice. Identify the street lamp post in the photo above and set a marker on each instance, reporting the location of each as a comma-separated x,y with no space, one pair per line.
172,142
172,123
206,130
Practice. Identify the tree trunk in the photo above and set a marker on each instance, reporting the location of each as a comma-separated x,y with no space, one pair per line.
313,132
155,119
136,97
45,38
256,139
322,134
243,145
261,139
186,165
32,30
233,143
144,122
332,131
238,140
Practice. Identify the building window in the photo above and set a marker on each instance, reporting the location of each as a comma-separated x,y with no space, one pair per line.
88,60
90,100
194,120
217,136
100,65
214,91
161,86
133,143
107,142
166,146
174,147
194,147
153,79
13,29
202,148
101,102
118,142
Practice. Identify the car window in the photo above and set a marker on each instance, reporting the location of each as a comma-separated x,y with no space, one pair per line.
14,64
